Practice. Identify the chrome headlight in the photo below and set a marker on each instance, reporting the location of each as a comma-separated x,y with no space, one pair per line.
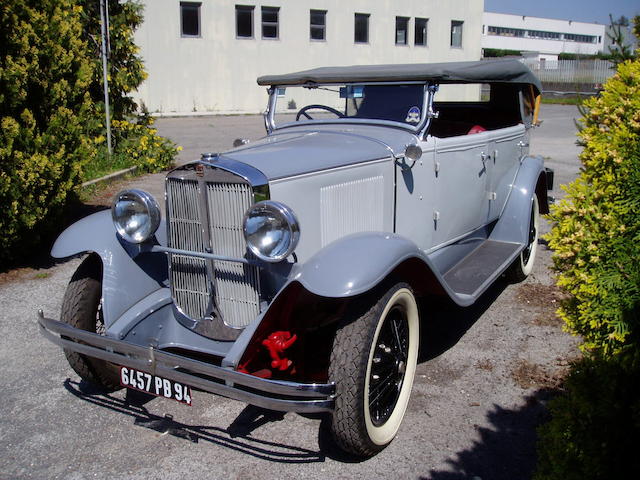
136,215
271,230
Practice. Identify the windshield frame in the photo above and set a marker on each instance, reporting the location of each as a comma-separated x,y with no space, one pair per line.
425,115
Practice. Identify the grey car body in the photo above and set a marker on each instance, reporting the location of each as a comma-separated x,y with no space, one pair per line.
426,203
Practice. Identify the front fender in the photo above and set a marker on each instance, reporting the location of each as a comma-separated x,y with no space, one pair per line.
129,274
356,263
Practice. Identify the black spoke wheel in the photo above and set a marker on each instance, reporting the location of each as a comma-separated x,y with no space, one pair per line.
522,267
388,365
373,363
81,308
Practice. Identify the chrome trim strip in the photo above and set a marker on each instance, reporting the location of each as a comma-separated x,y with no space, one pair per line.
303,397
208,256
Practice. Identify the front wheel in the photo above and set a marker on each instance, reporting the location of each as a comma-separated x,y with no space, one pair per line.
81,308
522,267
373,363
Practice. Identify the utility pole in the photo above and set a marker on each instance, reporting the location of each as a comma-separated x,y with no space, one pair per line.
104,27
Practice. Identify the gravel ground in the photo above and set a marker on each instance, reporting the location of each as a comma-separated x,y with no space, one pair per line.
482,382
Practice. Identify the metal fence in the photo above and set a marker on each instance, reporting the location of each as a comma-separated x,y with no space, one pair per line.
578,75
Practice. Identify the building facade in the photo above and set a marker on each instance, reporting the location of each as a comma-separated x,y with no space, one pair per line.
545,38
204,56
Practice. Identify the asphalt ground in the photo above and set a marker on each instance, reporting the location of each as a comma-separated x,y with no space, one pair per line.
484,377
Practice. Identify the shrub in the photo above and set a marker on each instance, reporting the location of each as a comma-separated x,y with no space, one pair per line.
46,116
596,425
596,233
52,112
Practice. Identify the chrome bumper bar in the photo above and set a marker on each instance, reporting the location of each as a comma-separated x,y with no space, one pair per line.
272,394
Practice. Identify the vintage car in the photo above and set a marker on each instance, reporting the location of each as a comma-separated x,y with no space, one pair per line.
286,272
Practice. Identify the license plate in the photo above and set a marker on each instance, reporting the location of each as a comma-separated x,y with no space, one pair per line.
154,385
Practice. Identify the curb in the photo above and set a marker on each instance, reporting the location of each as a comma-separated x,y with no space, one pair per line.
111,176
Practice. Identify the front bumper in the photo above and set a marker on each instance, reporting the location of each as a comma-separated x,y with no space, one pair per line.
272,394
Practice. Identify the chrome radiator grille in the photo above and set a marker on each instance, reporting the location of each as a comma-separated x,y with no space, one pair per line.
208,215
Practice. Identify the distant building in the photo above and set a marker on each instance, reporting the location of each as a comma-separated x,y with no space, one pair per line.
205,56
628,39
544,38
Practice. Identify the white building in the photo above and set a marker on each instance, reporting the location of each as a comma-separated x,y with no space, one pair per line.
545,37
205,56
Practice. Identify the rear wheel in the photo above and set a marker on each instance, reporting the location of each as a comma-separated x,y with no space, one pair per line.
522,267
82,308
373,363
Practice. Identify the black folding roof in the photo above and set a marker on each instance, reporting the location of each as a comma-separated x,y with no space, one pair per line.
486,71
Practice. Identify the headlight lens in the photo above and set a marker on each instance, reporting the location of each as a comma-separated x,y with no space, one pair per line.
136,215
271,230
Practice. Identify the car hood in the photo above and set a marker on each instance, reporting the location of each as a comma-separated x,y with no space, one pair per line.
304,149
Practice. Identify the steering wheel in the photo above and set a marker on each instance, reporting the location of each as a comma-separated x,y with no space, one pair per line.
303,111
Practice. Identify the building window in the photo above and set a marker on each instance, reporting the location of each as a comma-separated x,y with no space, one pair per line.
361,27
318,24
506,32
402,30
456,33
244,21
190,19
573,37
420,37
270,22
542,34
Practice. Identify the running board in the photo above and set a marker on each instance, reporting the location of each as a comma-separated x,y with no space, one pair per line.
475,272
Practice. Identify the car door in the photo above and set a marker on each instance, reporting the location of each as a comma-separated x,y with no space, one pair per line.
461,203
505,148
416,195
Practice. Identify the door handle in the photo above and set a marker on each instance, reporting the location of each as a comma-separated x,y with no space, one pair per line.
523,144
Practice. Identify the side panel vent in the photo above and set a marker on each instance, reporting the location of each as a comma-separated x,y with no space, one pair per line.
351,207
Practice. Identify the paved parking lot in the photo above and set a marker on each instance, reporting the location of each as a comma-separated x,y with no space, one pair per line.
480,387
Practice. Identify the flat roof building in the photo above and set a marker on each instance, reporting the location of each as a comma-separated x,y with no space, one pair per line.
205,56
545,37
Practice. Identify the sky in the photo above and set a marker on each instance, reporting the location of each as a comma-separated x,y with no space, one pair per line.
591,11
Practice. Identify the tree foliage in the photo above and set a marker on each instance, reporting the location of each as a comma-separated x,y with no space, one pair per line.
52,122
47,115
620,49
126,70
595,425
596,233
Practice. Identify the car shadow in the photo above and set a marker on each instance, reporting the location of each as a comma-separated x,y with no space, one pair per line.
506,449
445,323
236,437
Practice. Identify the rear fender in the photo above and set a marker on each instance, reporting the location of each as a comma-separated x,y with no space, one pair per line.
129,274
531,180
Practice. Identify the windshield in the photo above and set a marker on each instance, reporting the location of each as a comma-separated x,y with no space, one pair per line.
393,103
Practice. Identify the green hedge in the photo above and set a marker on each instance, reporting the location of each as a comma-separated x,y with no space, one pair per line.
595,423
47,116
595,427
52,130
596,233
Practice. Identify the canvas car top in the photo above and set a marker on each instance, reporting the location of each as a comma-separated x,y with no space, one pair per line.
486,71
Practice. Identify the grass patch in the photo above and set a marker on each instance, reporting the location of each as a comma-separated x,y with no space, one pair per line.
104,164
566,100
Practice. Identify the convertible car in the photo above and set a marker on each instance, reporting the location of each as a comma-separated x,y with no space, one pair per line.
286,273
